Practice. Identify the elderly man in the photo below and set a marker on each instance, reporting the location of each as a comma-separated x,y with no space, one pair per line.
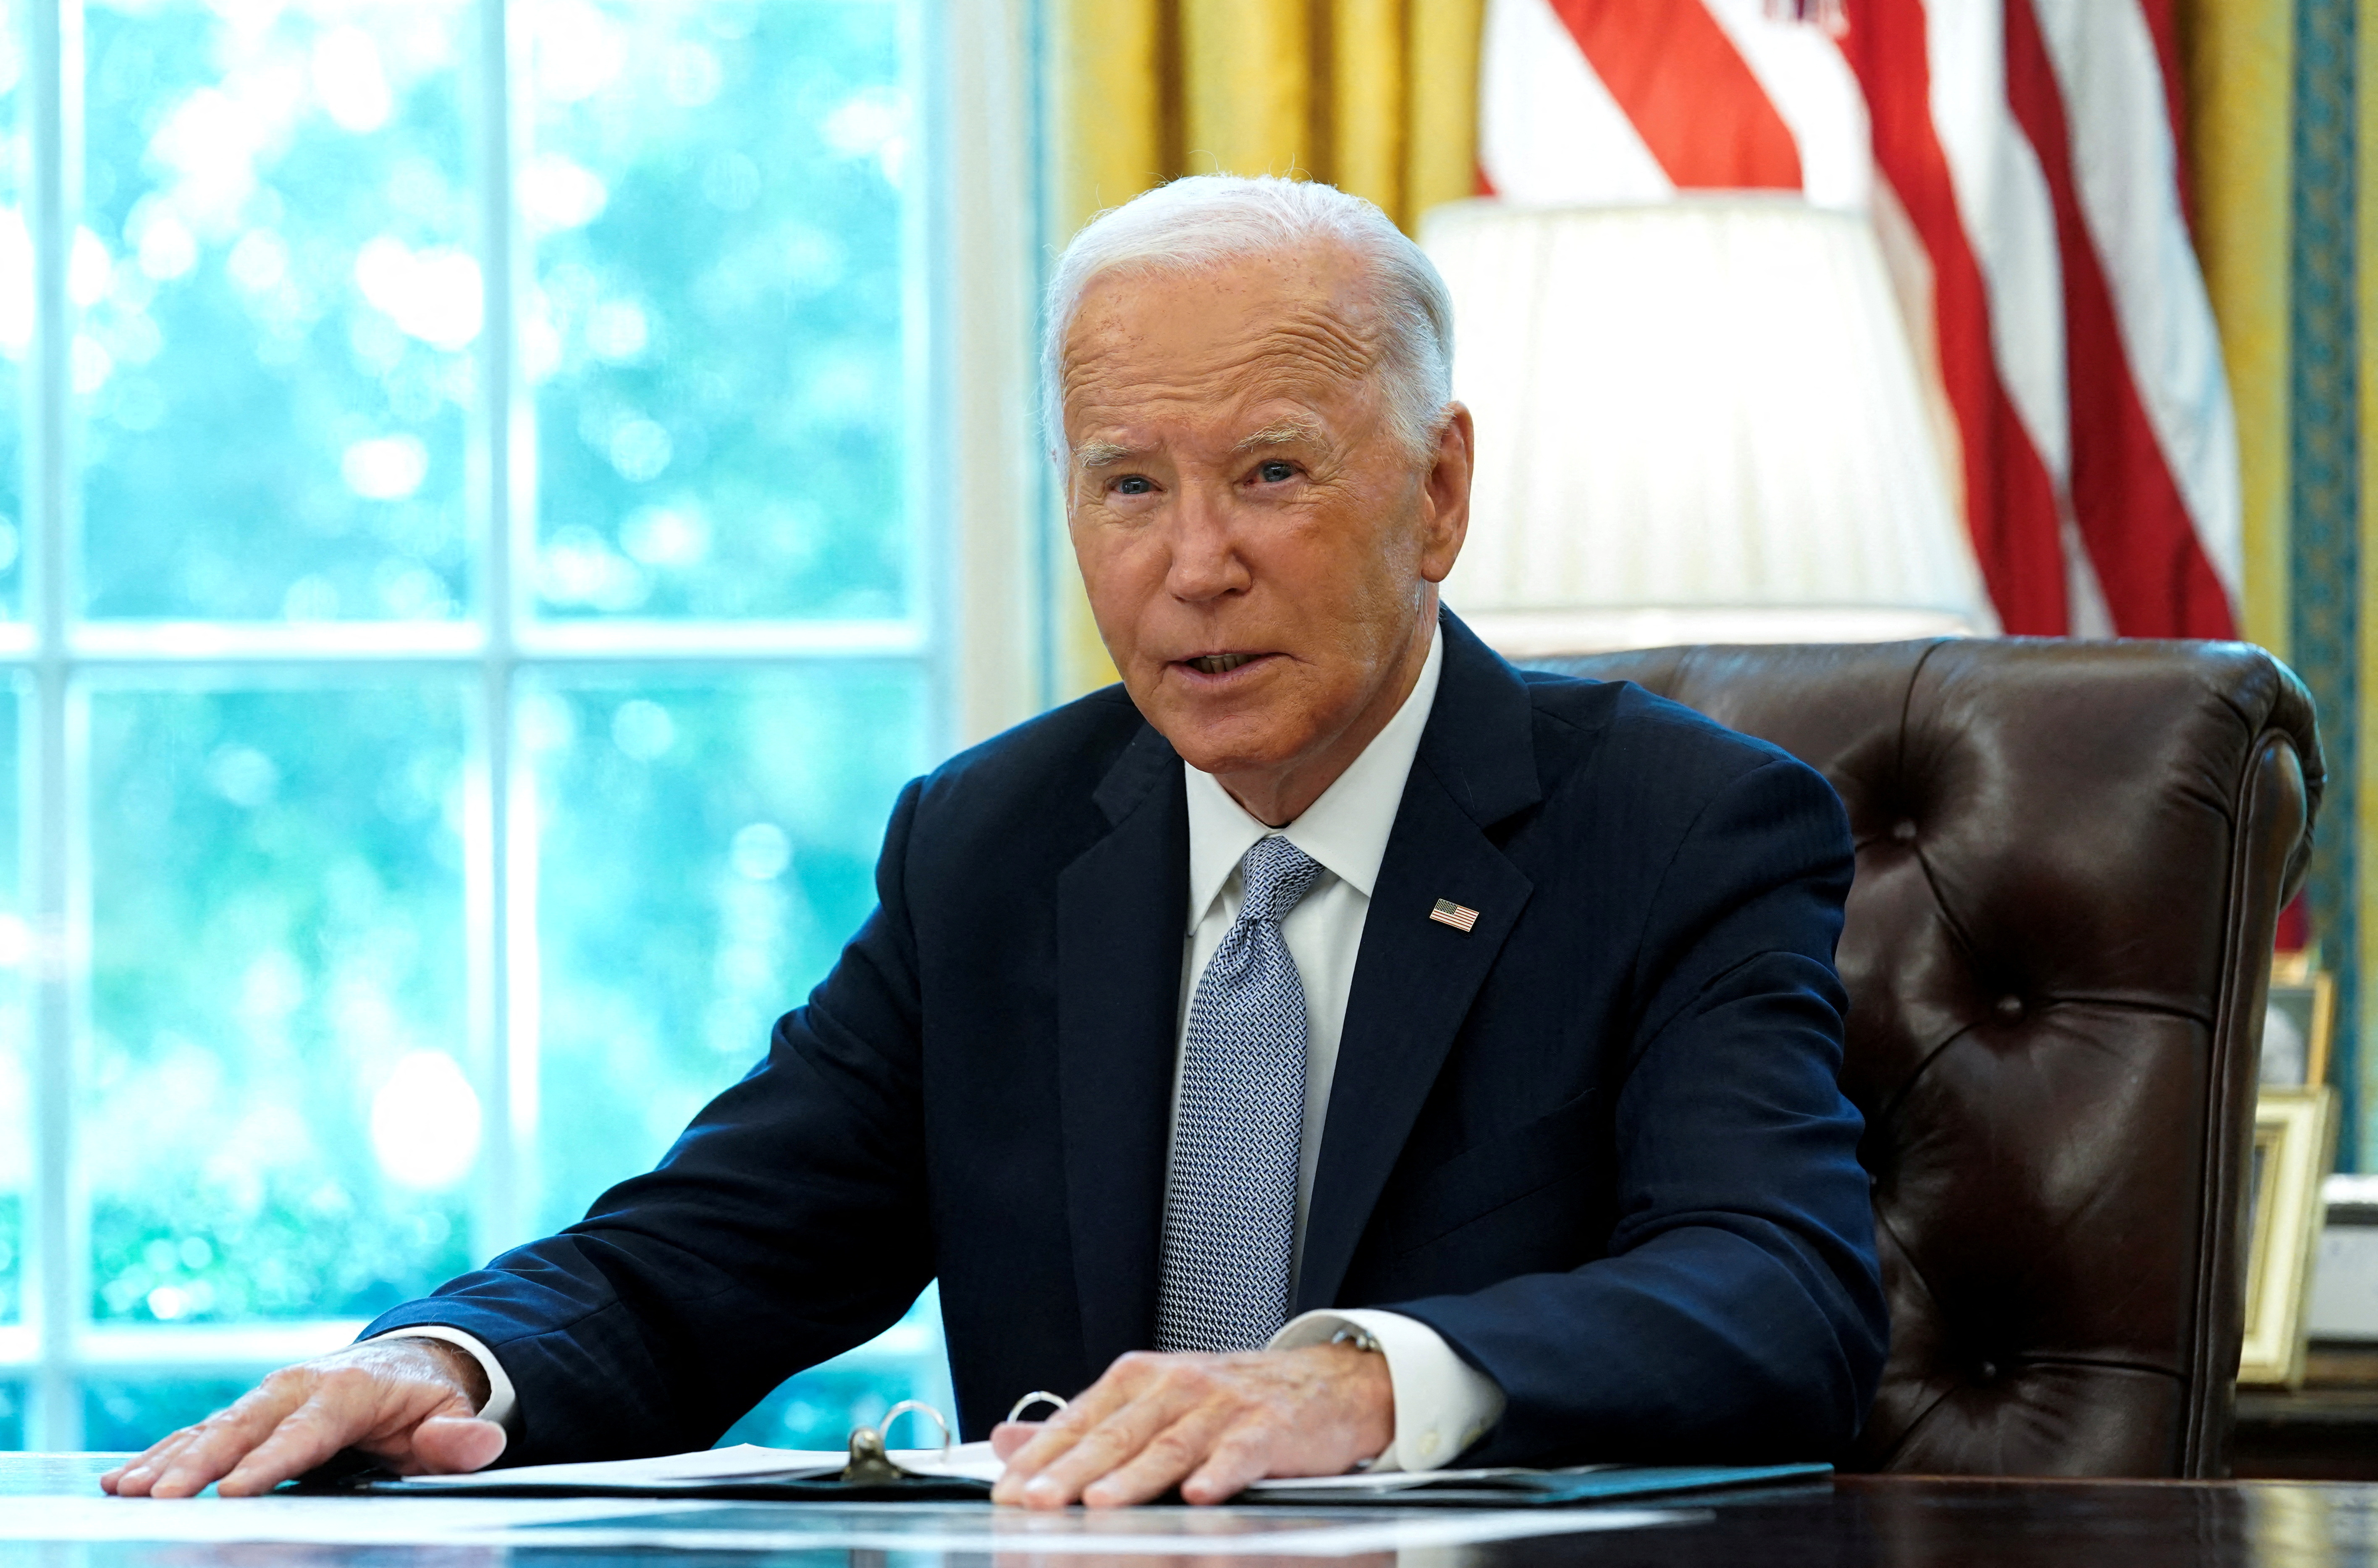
1331,1046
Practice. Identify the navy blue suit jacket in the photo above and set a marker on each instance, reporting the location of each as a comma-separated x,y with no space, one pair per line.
1596,1142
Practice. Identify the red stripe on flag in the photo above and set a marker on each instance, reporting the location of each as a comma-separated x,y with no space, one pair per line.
1692,97
2010,502
2157,580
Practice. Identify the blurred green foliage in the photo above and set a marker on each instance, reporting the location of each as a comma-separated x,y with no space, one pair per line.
262,437
15,1088
276,368
277,901
707,846
16,325
718,331
12,1256
121,1415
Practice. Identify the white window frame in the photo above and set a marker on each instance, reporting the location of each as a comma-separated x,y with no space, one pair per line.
976,485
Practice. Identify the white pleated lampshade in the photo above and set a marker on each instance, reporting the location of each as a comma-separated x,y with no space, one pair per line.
1698,422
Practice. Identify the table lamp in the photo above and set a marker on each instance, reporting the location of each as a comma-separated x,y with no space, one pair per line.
1698,422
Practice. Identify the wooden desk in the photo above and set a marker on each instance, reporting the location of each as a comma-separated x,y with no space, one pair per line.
1887,1522
2325,1431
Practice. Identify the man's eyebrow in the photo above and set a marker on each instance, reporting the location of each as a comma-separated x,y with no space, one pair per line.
1098,454
1287,434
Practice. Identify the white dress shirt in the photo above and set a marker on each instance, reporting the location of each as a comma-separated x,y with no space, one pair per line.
1443,1404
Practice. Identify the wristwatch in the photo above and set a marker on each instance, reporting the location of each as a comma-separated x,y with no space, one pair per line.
1361,1338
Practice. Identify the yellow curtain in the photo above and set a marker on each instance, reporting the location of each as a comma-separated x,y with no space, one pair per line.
1378,97
2240,65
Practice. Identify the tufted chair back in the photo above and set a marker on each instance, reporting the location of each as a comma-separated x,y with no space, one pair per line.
2071,860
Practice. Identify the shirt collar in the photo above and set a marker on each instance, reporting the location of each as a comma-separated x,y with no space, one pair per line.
1346,830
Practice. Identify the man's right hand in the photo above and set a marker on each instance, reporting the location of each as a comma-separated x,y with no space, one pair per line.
410,1404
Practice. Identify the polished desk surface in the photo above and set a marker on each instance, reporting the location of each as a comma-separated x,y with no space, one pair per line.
1886,1521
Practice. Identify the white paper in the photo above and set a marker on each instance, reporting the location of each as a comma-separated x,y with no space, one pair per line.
970,1461
973,1461
743,1460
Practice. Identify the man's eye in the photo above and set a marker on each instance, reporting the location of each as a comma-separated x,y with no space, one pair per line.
1134,485
1276,471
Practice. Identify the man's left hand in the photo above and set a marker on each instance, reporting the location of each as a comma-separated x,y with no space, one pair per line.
1208,1424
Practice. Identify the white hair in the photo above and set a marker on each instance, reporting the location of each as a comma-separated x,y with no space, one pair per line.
1204,221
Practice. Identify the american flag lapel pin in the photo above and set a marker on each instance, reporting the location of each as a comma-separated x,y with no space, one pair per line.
1447,913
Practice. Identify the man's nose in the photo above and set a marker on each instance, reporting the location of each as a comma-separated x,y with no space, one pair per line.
1205,562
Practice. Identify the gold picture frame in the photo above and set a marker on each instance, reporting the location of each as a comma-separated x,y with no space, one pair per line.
2300,1018
2295,1142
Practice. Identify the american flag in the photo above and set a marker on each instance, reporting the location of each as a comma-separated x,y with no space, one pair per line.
1460,917
2020,159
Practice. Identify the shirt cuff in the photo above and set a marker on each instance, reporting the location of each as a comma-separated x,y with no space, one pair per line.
500,1402
1443,1404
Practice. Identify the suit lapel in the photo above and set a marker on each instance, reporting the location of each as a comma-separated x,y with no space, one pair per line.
1415,977
1120,912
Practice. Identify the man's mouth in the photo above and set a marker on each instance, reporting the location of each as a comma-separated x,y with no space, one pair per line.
1218,663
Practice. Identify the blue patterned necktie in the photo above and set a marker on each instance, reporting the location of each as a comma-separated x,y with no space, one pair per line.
1229,1205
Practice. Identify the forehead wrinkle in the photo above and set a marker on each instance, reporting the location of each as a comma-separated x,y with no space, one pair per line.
1119,406
1306,342
1269,362
1323,336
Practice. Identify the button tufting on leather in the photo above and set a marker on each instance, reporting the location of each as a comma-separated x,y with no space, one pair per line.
2034,852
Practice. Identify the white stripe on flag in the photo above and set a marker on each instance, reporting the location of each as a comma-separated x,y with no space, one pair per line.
1549,129
1815,92
2010,217
2003,201
2125,170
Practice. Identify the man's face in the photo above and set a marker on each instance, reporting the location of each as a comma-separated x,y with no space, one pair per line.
1260,551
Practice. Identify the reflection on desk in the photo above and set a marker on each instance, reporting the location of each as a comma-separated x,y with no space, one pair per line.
1885,1521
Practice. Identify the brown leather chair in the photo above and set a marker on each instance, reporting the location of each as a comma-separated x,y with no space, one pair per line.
2071,859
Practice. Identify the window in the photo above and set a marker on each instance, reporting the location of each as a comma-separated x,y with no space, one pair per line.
473,592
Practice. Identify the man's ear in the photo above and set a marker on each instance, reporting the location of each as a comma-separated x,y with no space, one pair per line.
1444,495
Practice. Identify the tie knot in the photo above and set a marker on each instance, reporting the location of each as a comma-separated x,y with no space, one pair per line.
1277,875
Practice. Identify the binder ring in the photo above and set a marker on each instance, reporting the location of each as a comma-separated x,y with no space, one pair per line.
1038,1396
884,1426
